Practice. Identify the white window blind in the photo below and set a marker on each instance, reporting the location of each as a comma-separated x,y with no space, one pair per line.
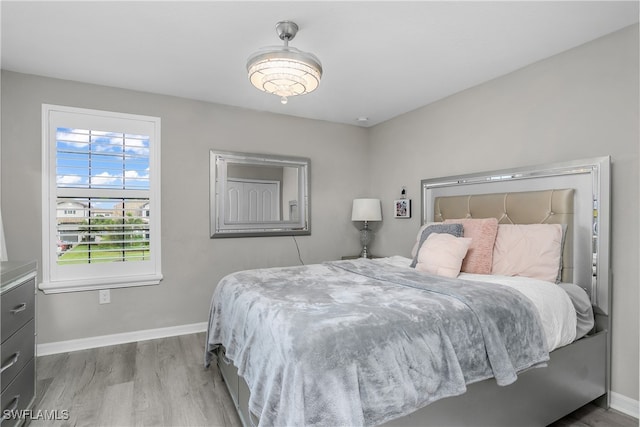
100,199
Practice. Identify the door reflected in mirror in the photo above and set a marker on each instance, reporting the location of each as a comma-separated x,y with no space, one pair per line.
257,195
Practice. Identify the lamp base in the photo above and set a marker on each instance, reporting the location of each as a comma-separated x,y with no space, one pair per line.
365,253
366,235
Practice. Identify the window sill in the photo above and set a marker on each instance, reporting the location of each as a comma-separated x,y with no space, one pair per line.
97,284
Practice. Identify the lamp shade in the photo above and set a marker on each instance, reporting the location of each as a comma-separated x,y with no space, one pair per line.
366,210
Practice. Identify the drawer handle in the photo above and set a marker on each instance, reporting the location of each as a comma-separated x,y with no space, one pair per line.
18,309
9,412
13,361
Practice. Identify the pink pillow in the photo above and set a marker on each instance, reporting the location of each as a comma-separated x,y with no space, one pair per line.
479,259
441,254
531,250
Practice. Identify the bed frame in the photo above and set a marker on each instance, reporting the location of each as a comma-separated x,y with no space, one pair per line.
572,193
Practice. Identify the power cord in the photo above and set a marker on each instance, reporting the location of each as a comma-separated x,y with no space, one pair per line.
298,248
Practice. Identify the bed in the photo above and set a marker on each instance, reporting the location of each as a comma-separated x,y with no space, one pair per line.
370,342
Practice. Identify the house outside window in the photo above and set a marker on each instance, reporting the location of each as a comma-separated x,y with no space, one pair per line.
101,199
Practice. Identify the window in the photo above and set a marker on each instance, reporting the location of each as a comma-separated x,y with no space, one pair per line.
101,199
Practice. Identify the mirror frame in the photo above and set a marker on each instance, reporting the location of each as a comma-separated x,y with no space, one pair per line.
218,161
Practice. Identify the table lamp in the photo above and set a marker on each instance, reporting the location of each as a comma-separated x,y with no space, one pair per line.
366,210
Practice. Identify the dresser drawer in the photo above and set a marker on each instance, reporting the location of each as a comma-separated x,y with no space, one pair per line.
17,308
16,352
18,395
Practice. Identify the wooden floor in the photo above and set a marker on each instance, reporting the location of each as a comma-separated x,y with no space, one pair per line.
150,383
163,383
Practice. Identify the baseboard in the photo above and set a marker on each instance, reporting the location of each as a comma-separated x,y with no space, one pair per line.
124,338
624,404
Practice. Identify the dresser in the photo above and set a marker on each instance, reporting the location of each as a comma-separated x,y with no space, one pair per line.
17,334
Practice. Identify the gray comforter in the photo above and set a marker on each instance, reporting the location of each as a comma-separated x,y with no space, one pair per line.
360,342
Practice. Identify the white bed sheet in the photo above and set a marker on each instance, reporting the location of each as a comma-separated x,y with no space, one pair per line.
556,310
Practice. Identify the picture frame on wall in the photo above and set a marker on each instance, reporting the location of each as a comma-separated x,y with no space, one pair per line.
402,208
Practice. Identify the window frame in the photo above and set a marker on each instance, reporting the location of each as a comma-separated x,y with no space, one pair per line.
80,277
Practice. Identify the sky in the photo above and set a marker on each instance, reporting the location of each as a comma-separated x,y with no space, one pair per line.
90,159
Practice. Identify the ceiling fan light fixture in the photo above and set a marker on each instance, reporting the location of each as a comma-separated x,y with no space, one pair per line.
282,70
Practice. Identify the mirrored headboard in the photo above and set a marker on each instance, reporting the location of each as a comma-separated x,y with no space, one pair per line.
587,181
258,195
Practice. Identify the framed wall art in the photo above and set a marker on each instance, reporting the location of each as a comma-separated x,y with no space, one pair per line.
402,208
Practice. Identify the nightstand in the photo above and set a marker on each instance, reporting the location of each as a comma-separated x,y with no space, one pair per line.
358,256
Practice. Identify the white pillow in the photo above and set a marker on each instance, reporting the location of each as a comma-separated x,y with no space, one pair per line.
442,254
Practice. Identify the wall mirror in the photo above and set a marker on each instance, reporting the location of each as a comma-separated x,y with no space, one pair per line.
258,195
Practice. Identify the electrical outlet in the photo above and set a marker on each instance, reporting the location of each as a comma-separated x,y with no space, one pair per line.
104,296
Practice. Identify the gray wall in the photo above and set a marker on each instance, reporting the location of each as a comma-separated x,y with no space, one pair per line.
580,104
192,263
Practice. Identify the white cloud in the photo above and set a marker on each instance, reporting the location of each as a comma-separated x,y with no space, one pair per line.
104,141
137,146
72,138
135,175
135,180
68,179
104,178
106,145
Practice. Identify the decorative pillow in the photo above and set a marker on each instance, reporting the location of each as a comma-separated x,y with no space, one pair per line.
530,250
441,254
479,259
434,227
416,246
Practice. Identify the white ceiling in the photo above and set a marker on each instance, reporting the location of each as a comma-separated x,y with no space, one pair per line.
380,59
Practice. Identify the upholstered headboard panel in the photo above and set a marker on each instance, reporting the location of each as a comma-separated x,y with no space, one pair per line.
527,207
